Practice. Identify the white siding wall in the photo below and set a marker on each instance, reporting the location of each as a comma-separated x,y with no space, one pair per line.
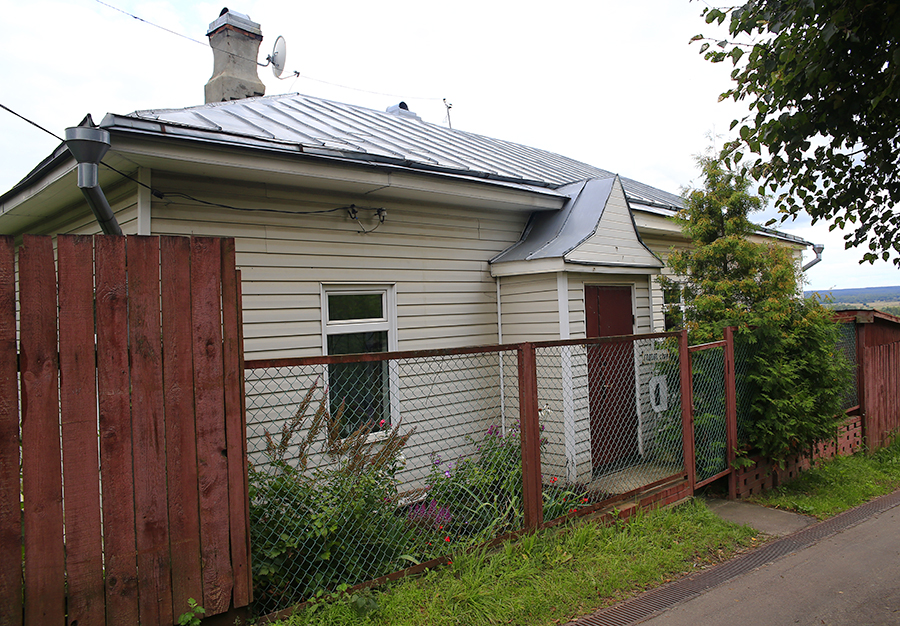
662,248
529,308
615,240
436,256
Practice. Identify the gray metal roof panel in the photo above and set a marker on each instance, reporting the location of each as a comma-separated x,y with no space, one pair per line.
554,234
304,120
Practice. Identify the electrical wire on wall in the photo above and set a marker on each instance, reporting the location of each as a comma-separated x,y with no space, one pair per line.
352,210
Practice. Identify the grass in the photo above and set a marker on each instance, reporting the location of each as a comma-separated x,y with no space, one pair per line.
838,484
561,573
549,577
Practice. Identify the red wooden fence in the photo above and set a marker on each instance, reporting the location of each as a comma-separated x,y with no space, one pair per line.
131,495
881,372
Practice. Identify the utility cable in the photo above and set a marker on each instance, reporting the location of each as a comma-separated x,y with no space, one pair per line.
351,209
35,124
237,56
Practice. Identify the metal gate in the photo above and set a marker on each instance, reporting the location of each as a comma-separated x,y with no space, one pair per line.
713,408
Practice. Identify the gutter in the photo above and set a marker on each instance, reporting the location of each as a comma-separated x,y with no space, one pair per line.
88,145
817,248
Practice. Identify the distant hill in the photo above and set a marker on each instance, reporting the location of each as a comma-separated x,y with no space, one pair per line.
882,298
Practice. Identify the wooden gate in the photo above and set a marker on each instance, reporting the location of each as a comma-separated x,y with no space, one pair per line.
131,494
881,373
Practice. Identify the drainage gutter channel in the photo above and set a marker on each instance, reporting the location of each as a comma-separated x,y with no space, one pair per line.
647,604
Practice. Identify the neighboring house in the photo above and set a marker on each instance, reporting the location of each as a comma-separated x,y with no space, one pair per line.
359,230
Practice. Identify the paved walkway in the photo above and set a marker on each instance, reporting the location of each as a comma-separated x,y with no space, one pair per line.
772,522
843,571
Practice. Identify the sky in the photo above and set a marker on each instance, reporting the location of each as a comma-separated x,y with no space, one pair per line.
613,84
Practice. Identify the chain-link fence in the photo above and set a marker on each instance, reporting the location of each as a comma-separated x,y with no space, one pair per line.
359,468
710,430
745,390
364,465
610,416
846,345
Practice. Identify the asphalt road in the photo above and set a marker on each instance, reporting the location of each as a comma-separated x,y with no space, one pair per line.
852,577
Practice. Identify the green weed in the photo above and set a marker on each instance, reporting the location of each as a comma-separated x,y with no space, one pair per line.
552,575
838,484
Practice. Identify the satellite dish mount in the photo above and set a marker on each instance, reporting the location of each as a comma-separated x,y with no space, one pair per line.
278,58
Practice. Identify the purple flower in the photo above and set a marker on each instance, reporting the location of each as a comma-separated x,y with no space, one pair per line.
447,473
429,514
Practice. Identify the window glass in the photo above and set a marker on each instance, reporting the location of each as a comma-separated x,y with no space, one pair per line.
355,306
358,392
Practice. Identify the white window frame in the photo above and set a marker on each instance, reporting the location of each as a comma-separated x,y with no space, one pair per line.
386,323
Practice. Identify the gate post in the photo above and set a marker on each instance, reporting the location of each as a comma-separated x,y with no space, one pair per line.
687,409
730,411
531,437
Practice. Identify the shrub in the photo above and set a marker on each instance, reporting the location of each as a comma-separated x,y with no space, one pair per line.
313,529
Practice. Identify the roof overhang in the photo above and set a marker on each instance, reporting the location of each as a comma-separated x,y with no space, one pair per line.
550,266
51,186
654,221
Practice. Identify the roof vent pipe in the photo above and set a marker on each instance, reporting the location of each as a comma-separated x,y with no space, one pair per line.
817,248
88,145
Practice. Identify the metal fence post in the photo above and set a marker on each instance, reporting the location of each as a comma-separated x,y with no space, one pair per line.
730,411
687,409
531,437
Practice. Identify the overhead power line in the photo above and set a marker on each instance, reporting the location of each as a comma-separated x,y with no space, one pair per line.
294,73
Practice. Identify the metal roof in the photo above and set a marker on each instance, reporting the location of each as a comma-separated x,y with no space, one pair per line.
553,235
296,123
311,125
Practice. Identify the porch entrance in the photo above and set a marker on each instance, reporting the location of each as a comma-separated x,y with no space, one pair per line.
608,313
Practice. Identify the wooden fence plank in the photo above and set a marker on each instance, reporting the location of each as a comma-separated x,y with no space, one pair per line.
235,428
78,412
41,466
10,486
881,365
209,403
181,441
115,432
151,513
243,395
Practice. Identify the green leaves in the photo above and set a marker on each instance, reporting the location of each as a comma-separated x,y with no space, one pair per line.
822,72
728,280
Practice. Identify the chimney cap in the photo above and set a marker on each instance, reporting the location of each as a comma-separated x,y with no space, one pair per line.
235,19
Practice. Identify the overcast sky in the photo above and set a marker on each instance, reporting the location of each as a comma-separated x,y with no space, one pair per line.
614,84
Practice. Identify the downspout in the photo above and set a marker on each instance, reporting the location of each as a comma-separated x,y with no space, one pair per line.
500,358
817,248
88,145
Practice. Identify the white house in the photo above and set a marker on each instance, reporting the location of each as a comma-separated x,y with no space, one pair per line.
361,230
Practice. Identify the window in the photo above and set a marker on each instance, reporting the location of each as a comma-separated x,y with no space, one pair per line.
359,319
673,307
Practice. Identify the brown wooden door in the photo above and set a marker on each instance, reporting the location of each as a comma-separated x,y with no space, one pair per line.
608,313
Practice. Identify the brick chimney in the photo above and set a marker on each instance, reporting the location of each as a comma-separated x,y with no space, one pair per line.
235,40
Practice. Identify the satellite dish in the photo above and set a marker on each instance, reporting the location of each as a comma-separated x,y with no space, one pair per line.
279,56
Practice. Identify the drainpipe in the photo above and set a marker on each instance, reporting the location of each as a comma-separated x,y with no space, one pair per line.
817,248
88,145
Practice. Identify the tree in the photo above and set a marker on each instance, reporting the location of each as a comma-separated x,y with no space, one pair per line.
727,279
797,379
822,80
